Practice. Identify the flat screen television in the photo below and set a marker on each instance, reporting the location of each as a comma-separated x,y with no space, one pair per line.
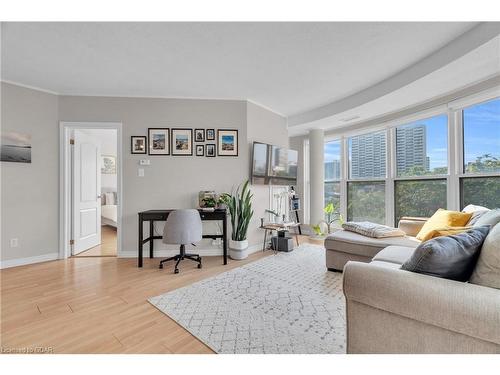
273,165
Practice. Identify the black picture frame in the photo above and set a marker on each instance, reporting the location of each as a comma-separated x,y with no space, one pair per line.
189,133
151,150
221,145
133,139
210,134
212,153
199,132
200,150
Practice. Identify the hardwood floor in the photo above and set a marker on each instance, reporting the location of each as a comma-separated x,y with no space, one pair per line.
99,305
108,245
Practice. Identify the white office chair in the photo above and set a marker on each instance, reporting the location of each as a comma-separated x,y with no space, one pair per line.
182,227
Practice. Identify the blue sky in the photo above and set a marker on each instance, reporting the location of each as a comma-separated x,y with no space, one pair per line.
481,134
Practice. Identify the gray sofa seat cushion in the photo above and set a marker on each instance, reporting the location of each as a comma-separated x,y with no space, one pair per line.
487,271
394,254
354,243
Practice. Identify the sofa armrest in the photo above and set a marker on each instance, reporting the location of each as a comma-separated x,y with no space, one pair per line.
465,308
411,225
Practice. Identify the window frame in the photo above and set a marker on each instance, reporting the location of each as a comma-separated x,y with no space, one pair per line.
454,111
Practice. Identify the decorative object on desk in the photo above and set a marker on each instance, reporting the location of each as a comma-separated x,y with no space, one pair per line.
138,144
16,147
200,150
210,150
159,141
199,135
108,164
207,199
222,201
210,134
240,209
332,214
182,142
227,142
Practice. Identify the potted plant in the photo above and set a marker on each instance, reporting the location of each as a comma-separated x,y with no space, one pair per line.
239,204
332,215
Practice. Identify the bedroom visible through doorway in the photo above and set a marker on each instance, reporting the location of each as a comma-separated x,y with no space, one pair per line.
94,183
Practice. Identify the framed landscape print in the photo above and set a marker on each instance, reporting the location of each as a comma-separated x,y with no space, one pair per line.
200,150
210,134
15,147
159,141
199,135
138,144
182,142
108,164
227,142
211,150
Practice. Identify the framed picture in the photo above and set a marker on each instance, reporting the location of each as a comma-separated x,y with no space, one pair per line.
182,142
108,164
15,147
227,142
200,150
210,134
159,141
138,144
210,150
199,135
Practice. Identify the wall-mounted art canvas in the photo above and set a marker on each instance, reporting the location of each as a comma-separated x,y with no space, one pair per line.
199,135
210,134
108,164
138,144
182,142
210,152
159,141
200,150
16,147
227,142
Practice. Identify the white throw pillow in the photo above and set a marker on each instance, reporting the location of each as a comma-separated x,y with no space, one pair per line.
476,211
110,198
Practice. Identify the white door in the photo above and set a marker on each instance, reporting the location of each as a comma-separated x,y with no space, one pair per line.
86,192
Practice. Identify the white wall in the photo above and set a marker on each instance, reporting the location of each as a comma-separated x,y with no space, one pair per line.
30,192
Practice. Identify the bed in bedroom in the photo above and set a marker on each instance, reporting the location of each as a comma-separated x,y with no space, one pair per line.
109,209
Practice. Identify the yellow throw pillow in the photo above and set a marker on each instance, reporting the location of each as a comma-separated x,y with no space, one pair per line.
443,219
448,231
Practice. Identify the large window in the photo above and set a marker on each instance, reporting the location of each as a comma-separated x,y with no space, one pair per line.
366,201
332,173
482,191
422,147
421,150
367,172
482,137
420,198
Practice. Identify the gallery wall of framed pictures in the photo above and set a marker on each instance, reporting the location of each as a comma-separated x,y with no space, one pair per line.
183,141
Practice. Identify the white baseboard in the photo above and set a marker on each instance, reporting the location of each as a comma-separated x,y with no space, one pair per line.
168,253
30,260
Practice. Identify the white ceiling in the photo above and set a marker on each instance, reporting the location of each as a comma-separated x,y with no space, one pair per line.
287,67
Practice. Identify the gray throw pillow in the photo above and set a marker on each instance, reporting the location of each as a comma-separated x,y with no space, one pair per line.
451,257
487,271
491,218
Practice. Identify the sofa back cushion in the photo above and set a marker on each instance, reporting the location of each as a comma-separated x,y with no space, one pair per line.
491,217
451,257
476,211
487,271
443,219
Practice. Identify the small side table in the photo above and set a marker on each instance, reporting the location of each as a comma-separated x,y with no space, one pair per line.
280,227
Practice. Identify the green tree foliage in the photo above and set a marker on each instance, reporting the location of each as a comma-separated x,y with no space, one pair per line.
366,201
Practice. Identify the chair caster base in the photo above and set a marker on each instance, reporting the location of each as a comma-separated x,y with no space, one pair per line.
176,271
161,266
199,265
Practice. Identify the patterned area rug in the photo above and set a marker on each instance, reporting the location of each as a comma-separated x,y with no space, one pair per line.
284,303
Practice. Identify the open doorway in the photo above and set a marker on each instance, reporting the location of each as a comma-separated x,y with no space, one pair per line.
91,179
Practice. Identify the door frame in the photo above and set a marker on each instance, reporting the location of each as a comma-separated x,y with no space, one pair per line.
65,203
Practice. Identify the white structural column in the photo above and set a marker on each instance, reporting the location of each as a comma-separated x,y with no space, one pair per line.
317,171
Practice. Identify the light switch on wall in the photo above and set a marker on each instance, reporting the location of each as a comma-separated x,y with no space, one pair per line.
140,172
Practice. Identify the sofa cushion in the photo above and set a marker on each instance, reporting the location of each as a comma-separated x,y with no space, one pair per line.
354,243
394,254
476,211
487,271
491,217
442,219
450,257
380,263
444,232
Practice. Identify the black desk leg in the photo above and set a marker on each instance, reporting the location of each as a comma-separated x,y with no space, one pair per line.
151,241
139,258
224,238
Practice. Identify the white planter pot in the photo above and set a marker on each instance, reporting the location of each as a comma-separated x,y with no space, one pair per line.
238,250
